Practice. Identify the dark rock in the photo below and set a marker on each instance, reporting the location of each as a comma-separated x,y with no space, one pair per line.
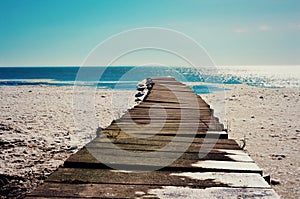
141,88
275,182
273,135
267,178
261,97
72,148
99,131
139,94
149,83
278,156
149,86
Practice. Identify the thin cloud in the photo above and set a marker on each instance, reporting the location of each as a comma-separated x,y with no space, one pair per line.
253,29
264,28
293,25
240,30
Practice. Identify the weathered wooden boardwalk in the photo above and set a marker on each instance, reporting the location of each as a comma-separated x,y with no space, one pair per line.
155,148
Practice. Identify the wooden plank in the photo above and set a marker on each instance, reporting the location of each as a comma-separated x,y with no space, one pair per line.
80,191
167,115
161,109
168,192
165,126
171,119
165,106
84,155
170,115
164,134
174,119
158,178
167,80
180,90
163,99
83,158
230,179
149,164
133,143
174,89
106,176
218,143
169,112
157,160
64,190
185,97
152,144
171,105
156,128
224,165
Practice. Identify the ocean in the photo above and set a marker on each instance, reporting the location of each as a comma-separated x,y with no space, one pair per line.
202,80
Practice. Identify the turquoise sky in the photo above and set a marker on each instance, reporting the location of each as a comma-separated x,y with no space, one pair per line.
234,32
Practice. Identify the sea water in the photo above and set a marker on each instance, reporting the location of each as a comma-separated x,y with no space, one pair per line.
201,79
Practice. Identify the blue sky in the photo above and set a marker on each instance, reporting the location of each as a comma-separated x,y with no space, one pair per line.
234,32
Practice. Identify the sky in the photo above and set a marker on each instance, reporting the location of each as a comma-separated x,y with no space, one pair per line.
233,32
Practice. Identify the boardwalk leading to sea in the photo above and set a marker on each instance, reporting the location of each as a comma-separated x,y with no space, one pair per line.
153,152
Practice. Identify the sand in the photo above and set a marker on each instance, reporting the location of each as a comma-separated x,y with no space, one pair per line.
38,132
269,119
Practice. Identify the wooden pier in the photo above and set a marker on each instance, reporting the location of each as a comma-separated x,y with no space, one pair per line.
169,146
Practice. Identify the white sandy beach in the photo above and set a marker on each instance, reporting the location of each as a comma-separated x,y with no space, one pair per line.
37,131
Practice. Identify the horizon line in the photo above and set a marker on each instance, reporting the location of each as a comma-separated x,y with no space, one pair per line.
20,66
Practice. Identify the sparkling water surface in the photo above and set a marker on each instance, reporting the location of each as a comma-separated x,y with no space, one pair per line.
202,79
